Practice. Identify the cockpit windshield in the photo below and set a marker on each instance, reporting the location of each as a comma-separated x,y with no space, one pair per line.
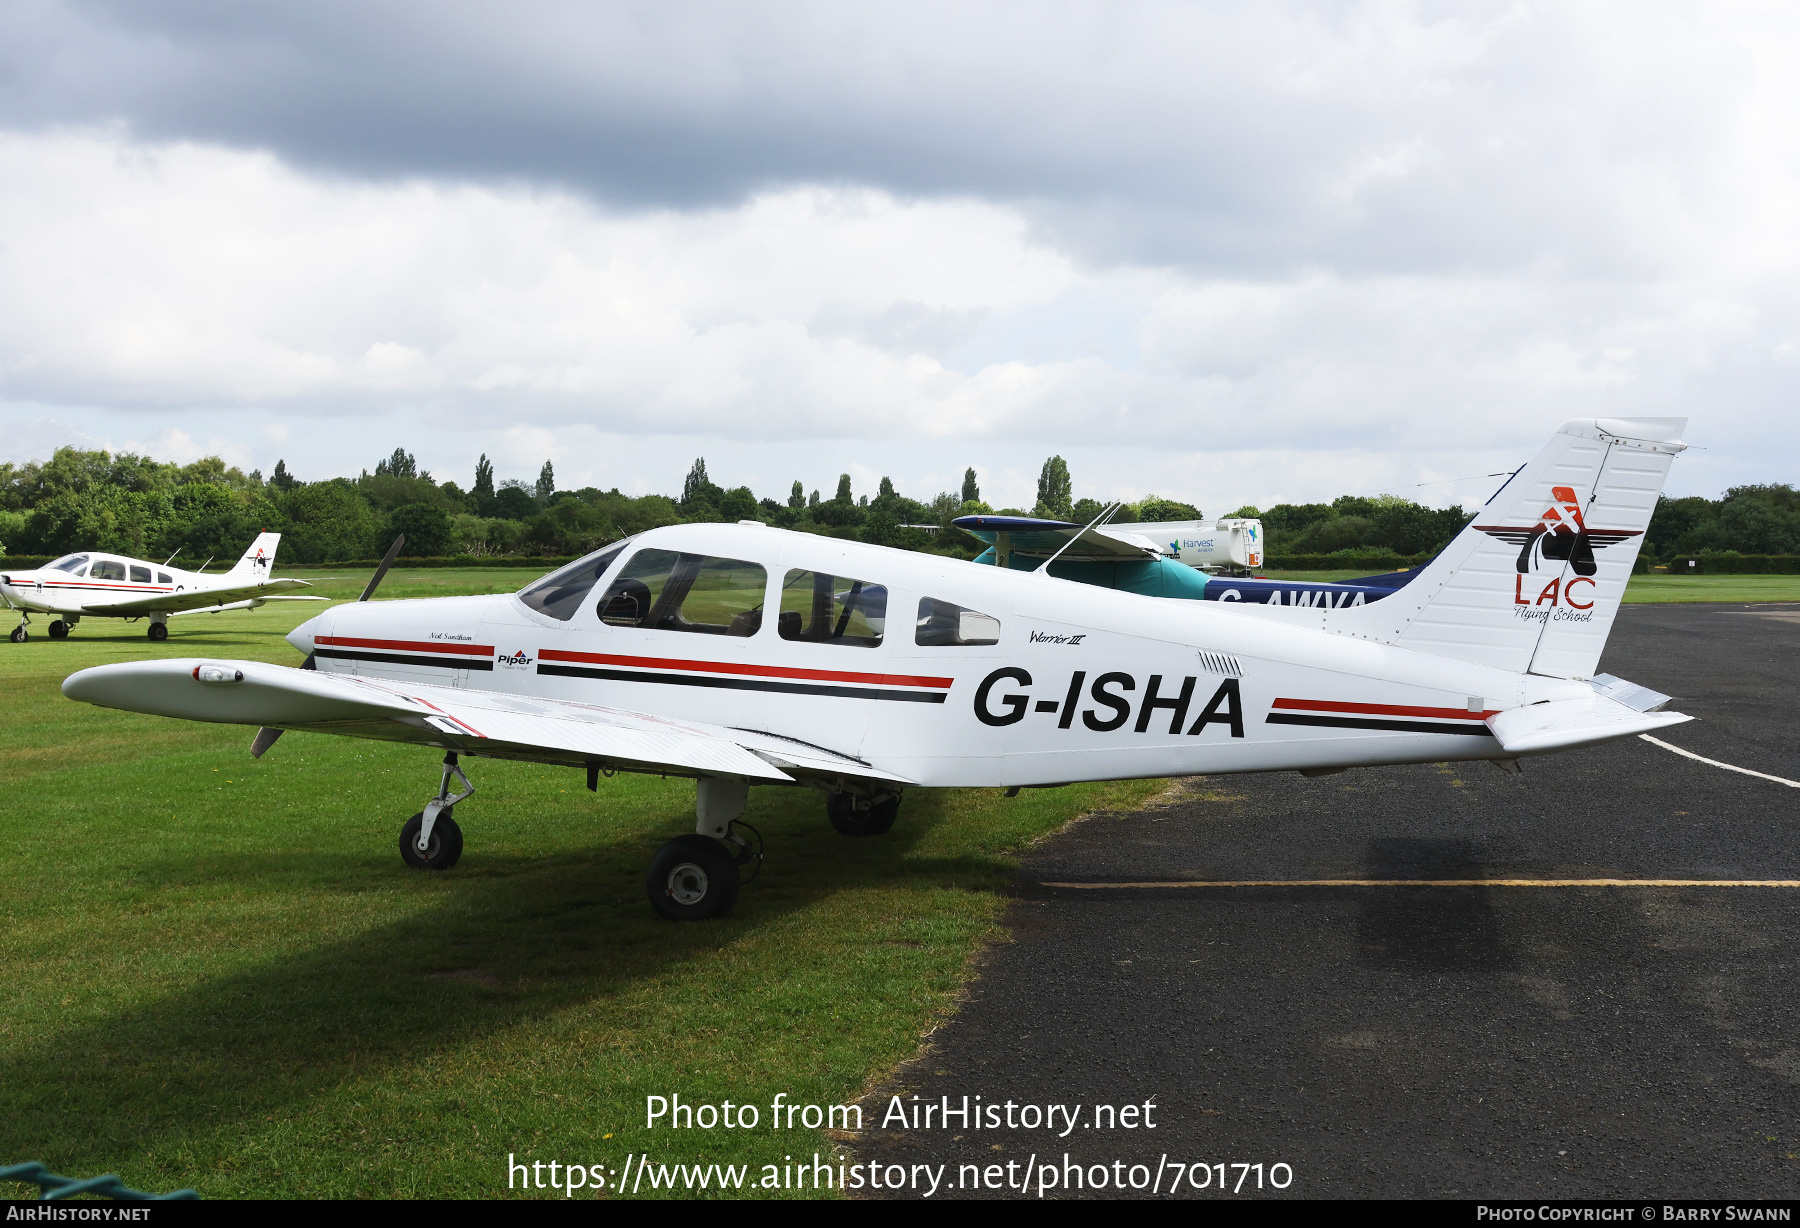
561,593
71,563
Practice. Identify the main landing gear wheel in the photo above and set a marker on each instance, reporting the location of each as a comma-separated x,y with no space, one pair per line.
59,630
443,843
444,848
19,635
861,816
691,878
158,632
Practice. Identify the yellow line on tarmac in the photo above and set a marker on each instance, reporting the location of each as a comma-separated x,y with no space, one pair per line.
1450,882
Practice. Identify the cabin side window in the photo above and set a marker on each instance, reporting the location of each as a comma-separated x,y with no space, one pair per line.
561,593
107,569
943,623
140,575
820,608
162,577
668,590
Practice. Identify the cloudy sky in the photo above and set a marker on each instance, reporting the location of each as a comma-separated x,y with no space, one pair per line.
1229,253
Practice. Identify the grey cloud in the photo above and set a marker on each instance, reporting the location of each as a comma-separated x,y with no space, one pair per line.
1231,137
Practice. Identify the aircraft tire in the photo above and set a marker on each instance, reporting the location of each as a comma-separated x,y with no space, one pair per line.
20,635
851,820
158,632
59,630
692,878
446,842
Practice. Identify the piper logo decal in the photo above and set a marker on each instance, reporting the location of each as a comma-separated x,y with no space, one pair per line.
517,660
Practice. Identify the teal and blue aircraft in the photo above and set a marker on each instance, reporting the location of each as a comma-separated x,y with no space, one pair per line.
1125,558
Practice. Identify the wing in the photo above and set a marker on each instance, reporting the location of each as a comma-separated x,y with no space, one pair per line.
199,599
450,718
1031,536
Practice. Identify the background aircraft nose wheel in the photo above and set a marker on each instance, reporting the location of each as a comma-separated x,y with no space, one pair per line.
59,630
691,878
19,635
445,847
860,816
158,632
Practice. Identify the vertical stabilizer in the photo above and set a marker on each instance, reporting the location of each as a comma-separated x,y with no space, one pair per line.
1535,580
259,559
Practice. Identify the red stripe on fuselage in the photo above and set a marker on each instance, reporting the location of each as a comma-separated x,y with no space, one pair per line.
111,588
1329,705
755,671
460,650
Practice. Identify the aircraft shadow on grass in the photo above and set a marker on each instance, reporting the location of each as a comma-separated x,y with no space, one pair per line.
516,939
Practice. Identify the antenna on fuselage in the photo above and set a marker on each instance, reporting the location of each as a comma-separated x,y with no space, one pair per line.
387,561
202,567
1106,511
170,559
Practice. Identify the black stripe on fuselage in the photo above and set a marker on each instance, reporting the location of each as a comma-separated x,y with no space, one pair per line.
745,684
347,654
1369,722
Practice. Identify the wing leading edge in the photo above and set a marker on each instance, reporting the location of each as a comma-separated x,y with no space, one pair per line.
470,722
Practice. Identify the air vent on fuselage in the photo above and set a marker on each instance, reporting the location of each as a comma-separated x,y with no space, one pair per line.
1221,663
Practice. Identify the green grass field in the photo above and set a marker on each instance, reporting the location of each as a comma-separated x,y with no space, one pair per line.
222,976
1651,588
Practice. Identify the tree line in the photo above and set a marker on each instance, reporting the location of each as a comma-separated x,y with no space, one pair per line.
135,505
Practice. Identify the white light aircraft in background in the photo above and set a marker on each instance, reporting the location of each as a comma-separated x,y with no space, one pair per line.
93,584
741,655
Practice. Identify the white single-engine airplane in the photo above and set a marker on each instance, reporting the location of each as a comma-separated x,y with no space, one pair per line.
883,669
96,585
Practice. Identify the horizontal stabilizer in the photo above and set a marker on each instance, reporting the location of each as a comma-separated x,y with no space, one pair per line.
1558,724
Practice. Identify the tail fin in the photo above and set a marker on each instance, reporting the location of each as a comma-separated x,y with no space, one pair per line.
259,559
1535,580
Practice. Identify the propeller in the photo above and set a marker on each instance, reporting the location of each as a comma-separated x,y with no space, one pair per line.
387,561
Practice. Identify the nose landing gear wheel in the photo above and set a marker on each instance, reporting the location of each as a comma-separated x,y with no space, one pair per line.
444,850
691,878
19,635
158,632
859,816
59,630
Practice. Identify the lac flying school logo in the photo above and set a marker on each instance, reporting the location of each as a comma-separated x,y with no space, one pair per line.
1561,534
